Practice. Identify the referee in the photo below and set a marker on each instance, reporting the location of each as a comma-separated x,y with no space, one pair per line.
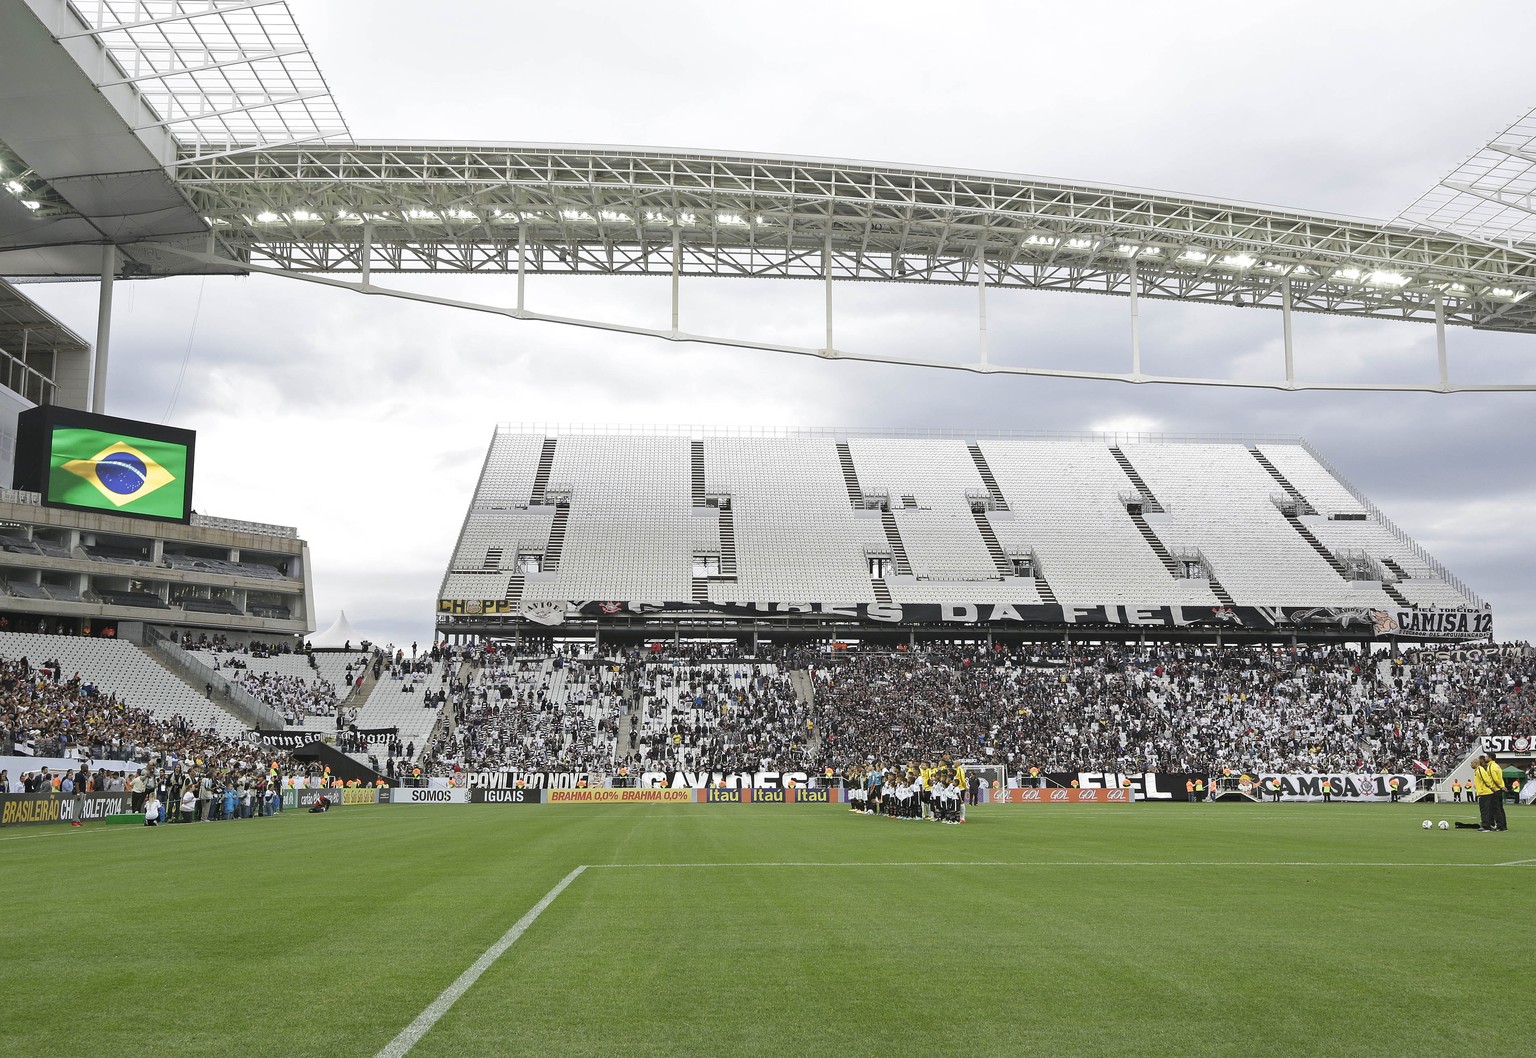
1488,784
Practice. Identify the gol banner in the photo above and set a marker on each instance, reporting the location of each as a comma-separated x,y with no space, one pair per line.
1063,796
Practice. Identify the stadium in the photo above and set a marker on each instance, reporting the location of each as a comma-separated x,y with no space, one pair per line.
618,754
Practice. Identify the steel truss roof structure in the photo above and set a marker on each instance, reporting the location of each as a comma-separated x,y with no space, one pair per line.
621,211
221,74
1491,195
261,175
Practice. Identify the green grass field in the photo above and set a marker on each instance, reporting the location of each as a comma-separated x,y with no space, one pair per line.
767,930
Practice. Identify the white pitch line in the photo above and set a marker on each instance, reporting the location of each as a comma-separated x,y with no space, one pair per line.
65,827
1073,863
412,1033
1516,863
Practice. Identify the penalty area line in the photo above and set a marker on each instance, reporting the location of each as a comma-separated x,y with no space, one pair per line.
412,1033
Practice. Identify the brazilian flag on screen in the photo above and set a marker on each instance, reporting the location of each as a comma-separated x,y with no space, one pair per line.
119,473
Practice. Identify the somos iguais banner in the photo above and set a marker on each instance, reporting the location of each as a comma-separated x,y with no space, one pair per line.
417,796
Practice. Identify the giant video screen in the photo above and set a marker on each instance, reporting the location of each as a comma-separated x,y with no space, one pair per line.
101,463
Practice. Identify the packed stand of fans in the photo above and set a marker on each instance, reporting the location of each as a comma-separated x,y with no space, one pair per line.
44,714
1168,708
638,710
294,697
1056,707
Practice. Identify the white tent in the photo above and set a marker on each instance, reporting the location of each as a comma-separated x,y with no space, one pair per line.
338,635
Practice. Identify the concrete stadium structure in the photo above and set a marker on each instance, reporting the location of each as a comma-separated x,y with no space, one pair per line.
648,533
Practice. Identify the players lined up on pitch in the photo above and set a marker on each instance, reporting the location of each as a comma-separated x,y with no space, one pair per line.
932,791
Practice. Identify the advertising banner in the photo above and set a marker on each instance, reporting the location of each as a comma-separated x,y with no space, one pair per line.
306,798
535,780
418,796
1308,786
1435,622
1020,614
1157,787
505,797
682,780
29,809
613,797
1509,743
288,739
357,795
1064,796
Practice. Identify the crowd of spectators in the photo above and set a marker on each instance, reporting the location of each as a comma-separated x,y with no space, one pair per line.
293,696
43,714
1056,707
1170,708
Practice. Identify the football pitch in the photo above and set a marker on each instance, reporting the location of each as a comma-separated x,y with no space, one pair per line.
441,931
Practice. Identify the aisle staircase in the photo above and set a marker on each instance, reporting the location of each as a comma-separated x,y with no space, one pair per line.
893,537
541,475
995,549
986,476
1302,506
1149,501
850,477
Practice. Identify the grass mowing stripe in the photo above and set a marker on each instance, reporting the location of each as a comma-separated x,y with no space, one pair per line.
413,1032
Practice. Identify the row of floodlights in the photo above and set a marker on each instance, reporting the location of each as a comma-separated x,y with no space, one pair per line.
18,189
1235,262
683,218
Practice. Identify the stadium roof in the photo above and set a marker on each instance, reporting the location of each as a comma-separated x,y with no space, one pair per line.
201,137
35,349
1491,195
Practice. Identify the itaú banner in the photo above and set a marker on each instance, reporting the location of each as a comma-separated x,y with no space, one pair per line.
1356,786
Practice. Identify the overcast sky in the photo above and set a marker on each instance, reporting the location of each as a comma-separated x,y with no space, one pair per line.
364,421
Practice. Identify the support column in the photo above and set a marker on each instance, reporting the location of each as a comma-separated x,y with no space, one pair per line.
677,269
826,271
1135,322
1445,369
981,298
365,264
522,263
103,330
1285,326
